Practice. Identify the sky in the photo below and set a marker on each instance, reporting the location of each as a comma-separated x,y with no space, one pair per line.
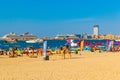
51,17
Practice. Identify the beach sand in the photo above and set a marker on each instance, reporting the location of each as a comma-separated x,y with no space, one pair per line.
89,66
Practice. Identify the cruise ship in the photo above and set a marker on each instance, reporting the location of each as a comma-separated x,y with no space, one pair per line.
68,36
13,36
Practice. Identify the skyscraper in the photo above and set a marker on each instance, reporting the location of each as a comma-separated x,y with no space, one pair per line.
96,30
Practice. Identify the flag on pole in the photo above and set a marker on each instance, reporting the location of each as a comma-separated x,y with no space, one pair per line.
44,49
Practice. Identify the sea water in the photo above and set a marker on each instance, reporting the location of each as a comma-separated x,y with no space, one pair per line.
54,44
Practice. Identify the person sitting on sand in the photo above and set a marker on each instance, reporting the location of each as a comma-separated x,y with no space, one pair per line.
50,51
5,52
26,51
19,52
1,52
12,52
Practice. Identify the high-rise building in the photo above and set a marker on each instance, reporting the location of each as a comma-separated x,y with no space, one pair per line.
96,30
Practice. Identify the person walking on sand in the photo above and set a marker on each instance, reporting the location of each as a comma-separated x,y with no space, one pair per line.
67,51
81,46
62,52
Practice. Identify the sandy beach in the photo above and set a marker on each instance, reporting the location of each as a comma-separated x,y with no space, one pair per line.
89,66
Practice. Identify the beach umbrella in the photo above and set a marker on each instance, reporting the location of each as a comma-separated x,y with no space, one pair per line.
87,48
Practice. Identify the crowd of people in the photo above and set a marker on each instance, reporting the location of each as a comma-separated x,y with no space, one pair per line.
31,51
64,50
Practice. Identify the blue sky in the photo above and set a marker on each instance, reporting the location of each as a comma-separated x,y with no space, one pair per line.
51,17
